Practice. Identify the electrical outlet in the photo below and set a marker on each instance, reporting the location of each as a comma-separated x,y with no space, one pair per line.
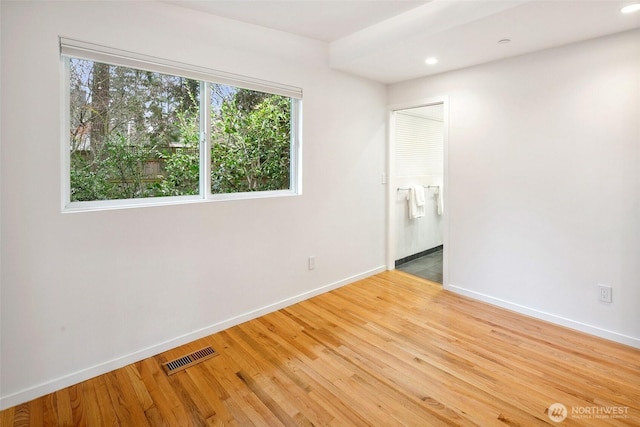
312,262
605,293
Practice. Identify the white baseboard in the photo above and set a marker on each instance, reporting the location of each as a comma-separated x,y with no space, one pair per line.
102,368
558,320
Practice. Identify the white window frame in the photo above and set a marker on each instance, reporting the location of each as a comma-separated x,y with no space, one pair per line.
70,48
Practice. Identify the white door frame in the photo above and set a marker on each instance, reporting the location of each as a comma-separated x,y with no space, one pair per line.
392,185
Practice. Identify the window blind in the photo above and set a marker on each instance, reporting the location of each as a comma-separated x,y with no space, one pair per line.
419,145
112,56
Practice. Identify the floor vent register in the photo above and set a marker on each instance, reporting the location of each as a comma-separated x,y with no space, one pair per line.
189,360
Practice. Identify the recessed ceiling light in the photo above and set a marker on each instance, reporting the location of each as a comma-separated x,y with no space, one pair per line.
504,41
431,61
631,8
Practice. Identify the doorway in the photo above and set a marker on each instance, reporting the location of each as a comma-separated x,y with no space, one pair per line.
417,229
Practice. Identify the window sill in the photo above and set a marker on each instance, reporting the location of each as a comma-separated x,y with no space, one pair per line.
105,205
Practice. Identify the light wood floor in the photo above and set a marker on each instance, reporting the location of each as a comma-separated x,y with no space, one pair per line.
390,350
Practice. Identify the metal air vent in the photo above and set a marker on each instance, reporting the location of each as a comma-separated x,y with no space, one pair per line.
188,360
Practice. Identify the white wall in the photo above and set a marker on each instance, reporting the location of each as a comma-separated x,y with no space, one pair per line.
544,182
86,292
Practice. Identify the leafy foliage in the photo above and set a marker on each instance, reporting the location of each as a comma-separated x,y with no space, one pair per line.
251,146
115,172
148,142
182,166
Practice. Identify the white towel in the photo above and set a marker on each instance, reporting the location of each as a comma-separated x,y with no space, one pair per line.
439,204
415,198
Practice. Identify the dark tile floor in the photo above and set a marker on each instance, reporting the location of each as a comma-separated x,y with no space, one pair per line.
428,267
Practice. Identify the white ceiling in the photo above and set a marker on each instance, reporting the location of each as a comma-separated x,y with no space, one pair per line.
388,40
325,20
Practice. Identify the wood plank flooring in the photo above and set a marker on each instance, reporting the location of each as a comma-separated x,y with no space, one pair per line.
390,350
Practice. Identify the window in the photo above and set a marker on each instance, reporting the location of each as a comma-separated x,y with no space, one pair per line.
143,131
